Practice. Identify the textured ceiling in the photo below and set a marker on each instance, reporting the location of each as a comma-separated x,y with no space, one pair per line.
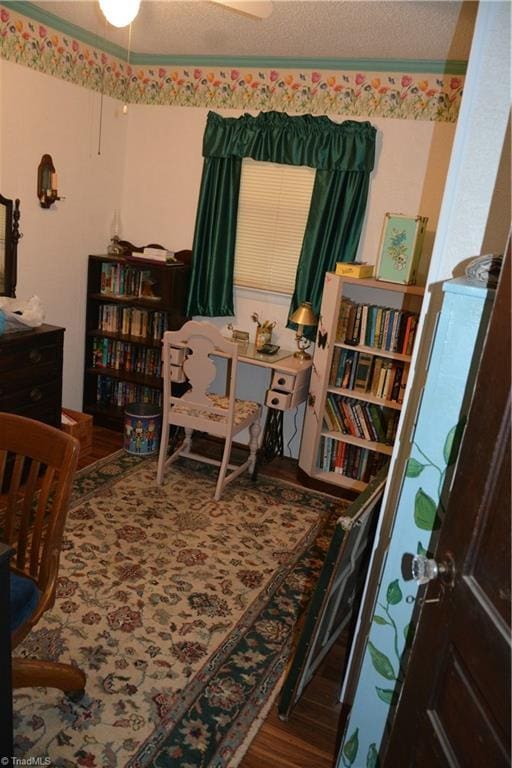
351,29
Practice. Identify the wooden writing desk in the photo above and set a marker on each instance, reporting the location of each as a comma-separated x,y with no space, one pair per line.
288,387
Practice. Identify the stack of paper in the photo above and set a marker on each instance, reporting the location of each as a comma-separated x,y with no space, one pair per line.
154,254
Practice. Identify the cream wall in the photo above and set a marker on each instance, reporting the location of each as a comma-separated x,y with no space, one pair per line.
150,168
41,114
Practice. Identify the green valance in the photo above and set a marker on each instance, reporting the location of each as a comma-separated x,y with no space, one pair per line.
302,140
343,155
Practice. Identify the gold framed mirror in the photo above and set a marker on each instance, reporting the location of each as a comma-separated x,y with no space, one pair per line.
9,236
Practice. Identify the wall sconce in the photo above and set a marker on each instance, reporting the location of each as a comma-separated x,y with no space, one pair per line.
303,315
47,189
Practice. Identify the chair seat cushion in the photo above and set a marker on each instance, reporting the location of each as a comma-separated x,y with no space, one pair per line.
244,409
24,599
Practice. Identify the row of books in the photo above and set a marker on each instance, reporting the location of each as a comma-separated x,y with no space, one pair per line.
349,460
131,321
123,356
113,393
370,325
123,280
358,418
363,372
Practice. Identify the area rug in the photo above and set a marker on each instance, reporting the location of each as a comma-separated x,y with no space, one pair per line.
182,621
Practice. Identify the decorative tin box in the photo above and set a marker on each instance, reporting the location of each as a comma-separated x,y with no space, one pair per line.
354,269
400,248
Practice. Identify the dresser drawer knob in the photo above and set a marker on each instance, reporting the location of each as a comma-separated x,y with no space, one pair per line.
35,356
35,394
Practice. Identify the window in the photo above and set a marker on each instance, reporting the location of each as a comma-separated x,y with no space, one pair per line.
273,209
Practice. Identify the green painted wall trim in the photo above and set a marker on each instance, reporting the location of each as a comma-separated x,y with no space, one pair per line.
148,59
253,62
65,27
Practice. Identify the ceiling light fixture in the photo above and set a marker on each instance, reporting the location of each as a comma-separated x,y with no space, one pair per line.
120,13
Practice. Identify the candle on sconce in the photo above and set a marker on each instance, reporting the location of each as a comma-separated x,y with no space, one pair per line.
54,182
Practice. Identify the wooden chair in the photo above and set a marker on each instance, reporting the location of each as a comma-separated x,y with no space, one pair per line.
199,354
37,464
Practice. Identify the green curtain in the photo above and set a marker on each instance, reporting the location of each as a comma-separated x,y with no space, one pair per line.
342,153
333,229
211,286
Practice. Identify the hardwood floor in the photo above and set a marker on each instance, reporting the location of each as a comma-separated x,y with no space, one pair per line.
309,738
104,442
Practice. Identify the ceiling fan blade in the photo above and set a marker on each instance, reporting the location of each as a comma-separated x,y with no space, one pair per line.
260,9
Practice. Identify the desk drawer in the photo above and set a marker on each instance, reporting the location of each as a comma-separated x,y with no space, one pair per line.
281,401
284,382
20,378
30,356
33,399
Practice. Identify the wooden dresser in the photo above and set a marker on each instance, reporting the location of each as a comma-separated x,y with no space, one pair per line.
31,373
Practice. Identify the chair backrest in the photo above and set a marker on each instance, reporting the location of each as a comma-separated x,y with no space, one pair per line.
37,464
202,352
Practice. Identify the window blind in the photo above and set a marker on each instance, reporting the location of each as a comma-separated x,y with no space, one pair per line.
273,209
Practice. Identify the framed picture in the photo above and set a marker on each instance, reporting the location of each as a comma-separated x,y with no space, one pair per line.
400,248
336,597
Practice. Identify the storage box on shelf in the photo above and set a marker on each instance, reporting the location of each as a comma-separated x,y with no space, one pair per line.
129,306
358,379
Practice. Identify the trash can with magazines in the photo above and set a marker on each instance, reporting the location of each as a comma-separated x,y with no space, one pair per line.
142,428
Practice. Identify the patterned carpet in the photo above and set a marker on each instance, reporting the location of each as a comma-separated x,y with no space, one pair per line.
181,621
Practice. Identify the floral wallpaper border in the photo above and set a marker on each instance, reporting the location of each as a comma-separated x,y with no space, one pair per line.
400,95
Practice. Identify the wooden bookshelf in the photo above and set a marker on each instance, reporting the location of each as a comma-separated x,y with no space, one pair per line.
340,420
124,330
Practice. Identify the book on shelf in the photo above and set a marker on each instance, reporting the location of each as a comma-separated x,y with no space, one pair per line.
349,460
335,364
343,316
331,415
361,421
376,326
363,325
363,372
410,334
340,457
378,422
351,320
351,419
395,389
403,384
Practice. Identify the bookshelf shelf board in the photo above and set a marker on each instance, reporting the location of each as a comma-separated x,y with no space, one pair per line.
336,479
134,301
366,396
361,442
414,290
141,340
155,382
374,351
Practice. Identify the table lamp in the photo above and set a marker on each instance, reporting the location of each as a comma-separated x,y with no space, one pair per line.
303,315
